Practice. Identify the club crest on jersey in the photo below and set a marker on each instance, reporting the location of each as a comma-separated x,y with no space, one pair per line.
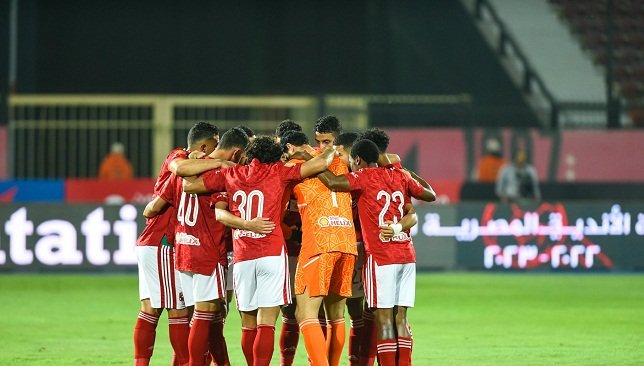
400,237
238,233
326,221
186,239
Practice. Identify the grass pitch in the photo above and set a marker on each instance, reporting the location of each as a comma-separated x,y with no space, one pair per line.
459,319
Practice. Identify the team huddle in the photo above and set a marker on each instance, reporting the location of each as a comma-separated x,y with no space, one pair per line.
283,227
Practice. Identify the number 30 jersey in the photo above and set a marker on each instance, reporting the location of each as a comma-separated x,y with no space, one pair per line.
383,193
255,190
198,237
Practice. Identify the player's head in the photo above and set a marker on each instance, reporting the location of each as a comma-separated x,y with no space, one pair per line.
520,157
293,141
264,149
326,129
285,126
234,143
378,137
203,137
364,153
343,143
250,133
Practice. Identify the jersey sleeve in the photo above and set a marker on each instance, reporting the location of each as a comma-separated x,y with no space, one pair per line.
214,180
290,174
356,180
218,197
414,188
167,191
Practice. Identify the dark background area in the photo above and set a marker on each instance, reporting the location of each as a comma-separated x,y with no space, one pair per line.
262,47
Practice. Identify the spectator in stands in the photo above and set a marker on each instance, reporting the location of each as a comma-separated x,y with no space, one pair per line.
115,165
517,180
491,162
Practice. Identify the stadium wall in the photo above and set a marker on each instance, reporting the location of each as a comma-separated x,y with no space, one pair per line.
551,236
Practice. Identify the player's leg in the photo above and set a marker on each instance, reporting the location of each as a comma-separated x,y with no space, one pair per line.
381,294
217,342
273,291
149,294
207,294
290,333
406,292
340,286
245,285
355,306
178,314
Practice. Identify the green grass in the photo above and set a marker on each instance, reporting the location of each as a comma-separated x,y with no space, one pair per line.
460,319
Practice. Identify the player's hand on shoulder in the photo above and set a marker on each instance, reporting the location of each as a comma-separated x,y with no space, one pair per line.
301,155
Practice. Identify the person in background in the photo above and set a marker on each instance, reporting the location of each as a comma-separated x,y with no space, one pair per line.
491,162
115,165
518,180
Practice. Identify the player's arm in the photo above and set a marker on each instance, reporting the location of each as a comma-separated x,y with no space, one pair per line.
154,207
194,185
318,164
406,223
428,194
334,182
259,225
189,167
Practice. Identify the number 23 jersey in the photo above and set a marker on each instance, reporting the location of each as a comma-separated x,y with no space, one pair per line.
382,194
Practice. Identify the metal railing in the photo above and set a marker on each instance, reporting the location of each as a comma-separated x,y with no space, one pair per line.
59,136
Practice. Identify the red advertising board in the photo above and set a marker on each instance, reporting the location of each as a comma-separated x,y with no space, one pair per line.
96,191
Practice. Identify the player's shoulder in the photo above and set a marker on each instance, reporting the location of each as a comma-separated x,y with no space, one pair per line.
177,152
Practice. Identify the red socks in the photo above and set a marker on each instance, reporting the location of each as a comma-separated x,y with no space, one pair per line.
289,338
387,349
217,342
404,351
144,334
247,341
355,337
199,334
179,331
264,345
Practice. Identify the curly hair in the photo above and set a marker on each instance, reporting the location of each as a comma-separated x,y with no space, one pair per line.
328,124
285,126
264,149
377,136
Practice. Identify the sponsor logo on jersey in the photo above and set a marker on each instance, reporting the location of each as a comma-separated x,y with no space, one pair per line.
238,233
337,221
402,237
186,239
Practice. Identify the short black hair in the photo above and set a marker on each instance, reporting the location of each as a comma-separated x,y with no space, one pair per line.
234,137
366,150
378,136
201,131
250,133
285,126
264,149
328,124
295,138
345,139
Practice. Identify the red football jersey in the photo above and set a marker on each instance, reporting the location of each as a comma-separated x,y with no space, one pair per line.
255,190
291,223
198,239
382,196
163,223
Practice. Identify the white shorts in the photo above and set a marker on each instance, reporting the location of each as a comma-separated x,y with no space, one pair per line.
292,267
200,288
262,282
389,285
357,286
229,273
158,280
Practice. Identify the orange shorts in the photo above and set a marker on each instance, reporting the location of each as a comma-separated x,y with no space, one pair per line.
324,273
